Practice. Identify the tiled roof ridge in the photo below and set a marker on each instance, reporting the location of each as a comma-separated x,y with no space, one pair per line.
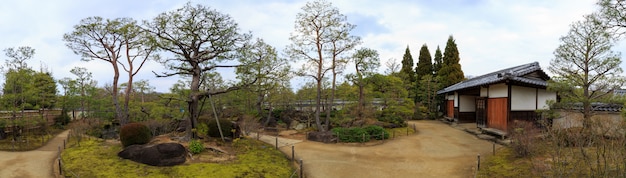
516,72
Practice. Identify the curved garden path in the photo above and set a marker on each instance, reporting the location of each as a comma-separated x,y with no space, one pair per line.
37,163
437,150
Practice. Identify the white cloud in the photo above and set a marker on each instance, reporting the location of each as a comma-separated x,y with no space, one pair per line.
490,34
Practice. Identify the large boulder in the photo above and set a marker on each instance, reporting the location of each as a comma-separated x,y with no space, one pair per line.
325,137
164,154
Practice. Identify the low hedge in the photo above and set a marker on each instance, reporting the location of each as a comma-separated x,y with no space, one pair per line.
360,134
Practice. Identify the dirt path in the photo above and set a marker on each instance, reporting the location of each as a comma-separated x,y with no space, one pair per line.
438,150
36,163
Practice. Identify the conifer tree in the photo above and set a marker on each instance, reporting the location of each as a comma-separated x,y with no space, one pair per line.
450,71
424,63
406,72
438,61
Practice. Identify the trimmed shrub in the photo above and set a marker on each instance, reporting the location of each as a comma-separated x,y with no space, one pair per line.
214,131
196,146
376,132
135,133
354,134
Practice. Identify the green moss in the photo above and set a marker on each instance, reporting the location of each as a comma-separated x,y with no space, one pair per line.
255,159
503,164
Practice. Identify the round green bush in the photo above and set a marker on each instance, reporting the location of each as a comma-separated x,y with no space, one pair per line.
135,133
195,146
226,125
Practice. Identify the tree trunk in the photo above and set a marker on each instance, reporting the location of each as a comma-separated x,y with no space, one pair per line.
331,102
193,101
119,115
129,90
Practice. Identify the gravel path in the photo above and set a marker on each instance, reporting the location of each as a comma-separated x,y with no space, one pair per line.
437,150
37,163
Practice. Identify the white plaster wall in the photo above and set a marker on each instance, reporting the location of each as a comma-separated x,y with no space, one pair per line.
498,91
543,97
523,98
484,92
456,99
467,103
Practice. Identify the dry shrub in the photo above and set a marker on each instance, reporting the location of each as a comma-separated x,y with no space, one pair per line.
248,123
524,140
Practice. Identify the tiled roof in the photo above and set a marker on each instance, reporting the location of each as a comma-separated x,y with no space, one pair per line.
516,73
607,107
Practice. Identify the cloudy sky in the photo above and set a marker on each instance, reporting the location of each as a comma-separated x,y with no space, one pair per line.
490,34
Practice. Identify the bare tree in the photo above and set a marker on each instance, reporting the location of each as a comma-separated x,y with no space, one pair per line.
392,66
321,36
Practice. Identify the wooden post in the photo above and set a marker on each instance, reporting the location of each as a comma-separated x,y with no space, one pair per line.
60,165
293,154
478,167
301,169
276,142
64,144
407,131
494,148
363,138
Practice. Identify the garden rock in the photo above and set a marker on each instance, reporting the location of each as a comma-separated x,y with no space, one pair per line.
164,154
325,137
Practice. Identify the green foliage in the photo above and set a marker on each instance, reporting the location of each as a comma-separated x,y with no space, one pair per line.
451,71
360,134
62,119
354,134
254,159
196,146
406,72
397,114
135,133
424,64
226,125
202,129
437,61
376,132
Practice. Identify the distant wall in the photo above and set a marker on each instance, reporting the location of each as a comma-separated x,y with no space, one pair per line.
32,116
607,123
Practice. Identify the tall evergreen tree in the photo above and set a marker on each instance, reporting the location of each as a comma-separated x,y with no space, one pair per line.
406,72
450,71
424,64
438,61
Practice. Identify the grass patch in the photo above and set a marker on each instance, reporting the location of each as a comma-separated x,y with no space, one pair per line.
254,159
400,131
504,164
29,141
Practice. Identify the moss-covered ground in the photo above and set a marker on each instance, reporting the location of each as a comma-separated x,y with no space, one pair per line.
96,158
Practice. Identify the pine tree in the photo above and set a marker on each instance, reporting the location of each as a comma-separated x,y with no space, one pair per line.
450,71
438,61
424,63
